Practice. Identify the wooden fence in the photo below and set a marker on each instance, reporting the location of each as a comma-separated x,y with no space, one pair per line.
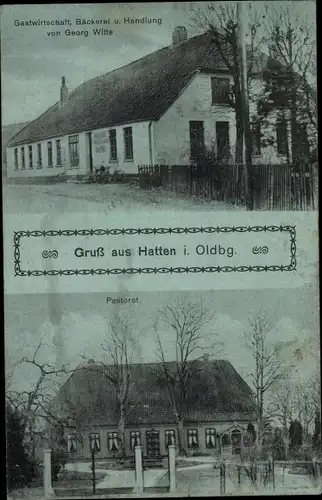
274,187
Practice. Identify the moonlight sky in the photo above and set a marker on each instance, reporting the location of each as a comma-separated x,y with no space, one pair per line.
33,63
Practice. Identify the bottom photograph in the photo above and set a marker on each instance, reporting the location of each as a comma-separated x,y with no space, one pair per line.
203,393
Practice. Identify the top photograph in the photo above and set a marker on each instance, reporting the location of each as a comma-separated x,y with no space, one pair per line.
155,107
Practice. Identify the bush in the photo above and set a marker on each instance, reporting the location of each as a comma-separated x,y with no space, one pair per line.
21,469
59,453
58,462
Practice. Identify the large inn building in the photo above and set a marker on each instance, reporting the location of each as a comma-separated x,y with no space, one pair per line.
159,109
220,406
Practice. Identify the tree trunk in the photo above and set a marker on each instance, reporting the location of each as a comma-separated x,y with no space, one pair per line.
239,140
121,431
181,437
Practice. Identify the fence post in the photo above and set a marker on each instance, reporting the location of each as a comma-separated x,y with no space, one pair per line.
315,472
222,479
239,474
48,488
138,469
172,467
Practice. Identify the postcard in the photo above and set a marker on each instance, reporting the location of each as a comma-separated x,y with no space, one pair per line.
160,229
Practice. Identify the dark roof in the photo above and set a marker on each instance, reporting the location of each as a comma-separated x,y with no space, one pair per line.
7,132
141,90
216,392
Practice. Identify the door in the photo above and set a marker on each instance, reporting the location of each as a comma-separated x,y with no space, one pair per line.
89,151
197,139
153,443
236,443
222,137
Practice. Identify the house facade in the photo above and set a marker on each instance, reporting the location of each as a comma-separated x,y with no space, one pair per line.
161,109
220,407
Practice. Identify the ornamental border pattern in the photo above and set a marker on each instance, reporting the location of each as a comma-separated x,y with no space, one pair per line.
155,270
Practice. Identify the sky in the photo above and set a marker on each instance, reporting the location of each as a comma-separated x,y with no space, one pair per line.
33,63
75,325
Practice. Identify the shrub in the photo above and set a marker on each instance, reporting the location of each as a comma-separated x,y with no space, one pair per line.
58,462
59,453
21,469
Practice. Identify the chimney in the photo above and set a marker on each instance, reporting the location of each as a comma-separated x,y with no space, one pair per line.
63,91
179,35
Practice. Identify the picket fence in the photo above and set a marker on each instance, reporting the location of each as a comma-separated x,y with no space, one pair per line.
274,186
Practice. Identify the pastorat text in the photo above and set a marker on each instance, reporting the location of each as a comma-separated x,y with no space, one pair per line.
156,251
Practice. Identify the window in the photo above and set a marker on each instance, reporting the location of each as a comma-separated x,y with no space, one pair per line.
303,144
73,150
135,439
23,164
192,438
95,442
247,441
113,145
128,143
281,137
256,139
50,153
112,441
170,437
210,438
58,153
16,159
222,137
30,156
220,90
39,161
71,443
197,139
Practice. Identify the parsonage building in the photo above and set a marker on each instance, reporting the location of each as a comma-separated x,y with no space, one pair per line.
219,408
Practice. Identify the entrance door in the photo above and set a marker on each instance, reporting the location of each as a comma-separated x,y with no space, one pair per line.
89,151
153,443
236,442
223,143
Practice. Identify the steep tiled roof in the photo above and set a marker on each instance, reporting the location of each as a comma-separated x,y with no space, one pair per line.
141,90
216,392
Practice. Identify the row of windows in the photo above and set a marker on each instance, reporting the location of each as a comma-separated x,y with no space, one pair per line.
128,144
197,138
39,156
135,440
73,147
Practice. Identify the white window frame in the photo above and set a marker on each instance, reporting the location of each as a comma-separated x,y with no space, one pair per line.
71,438
112,439
170,437
210,437
135,439
192,438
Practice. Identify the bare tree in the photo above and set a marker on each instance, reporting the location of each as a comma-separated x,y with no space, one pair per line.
281,404
292,42
118,350
187,320
34,403
221,21
304,406
267,368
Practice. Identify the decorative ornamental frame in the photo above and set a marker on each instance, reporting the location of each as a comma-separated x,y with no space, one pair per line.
18,235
